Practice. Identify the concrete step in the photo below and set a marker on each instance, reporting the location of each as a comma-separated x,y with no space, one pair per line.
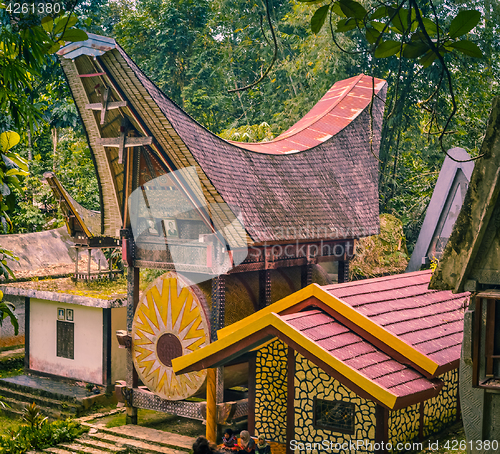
104,448
102,445
15,397
153,436
58,450
135,444
17,407
45,387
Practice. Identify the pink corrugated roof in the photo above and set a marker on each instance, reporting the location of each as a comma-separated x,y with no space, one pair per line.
332,113
431,321
361,355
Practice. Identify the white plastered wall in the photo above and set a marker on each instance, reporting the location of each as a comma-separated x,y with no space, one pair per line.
87,362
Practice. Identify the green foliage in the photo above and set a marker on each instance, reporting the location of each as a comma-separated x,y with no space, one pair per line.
11,367
7,310
399,28
382,254
254,133
40,436
25,45
33,416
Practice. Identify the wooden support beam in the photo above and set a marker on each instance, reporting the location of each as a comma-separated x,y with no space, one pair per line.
124,142
264,288
105,105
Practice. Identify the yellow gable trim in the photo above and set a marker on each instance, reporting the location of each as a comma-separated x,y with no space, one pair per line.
378,392
376,330
347,311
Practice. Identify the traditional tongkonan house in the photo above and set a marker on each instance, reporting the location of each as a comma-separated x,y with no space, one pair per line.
367,366
471,261
235,226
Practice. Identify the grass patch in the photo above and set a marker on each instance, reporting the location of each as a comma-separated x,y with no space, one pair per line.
11,367
8,424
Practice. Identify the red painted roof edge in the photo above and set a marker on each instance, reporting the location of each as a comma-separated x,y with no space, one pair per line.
329,287
286,135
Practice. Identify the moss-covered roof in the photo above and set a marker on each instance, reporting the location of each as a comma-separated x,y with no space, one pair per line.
96,294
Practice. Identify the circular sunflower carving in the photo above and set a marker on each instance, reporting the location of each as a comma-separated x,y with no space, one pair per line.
170,321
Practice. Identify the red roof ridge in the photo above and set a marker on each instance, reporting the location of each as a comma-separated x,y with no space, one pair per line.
329,287
307,121
290,132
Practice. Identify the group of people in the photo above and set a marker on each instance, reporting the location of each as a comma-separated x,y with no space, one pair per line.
242,445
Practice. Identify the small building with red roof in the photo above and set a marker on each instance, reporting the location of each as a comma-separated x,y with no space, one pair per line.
368,365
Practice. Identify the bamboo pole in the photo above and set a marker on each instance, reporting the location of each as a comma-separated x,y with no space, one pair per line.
211,405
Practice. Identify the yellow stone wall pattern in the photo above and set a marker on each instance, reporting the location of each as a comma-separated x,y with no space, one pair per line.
404,426
271,391
312,382
441,411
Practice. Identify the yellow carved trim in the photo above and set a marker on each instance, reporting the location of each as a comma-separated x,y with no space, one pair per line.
378,392
347,311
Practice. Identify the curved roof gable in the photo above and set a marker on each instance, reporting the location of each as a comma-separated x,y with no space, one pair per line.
331,114
327,190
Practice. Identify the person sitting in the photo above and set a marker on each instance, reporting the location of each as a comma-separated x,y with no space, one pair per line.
247,444
203,446
229,442
262,447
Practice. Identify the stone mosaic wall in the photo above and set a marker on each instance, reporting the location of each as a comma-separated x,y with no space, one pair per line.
441,411
404,426
311,382
271,391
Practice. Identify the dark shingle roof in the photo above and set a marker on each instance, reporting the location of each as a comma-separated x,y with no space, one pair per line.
329,190
318,180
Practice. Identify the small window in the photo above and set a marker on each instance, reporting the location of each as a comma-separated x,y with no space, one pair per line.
65,339
334,415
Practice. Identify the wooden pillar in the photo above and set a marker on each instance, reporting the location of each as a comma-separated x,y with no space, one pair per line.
290,400
305,275
27,333
106,348
251,394
88,264
211,431
76,265
264,288
132,301
218,305
218,322
381,428
343,273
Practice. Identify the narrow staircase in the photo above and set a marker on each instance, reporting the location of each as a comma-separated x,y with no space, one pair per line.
125,439
56,399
